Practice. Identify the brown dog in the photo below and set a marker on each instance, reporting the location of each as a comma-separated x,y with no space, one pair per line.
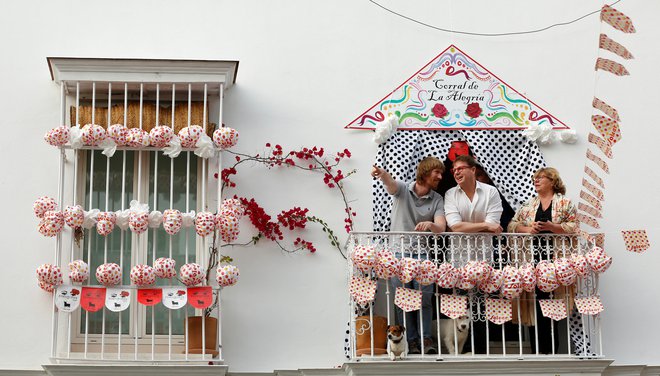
397,346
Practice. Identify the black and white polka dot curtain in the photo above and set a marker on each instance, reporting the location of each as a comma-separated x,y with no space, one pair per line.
507,156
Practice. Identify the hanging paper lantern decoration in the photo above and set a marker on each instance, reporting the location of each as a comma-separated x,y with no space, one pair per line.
190,135
138,222
364,257
234,205
119,134
165,267
477,271
227,275
227,223
74,216
137,138
546,276
427,273
58,136
447,276
528,277
105,223
493,283
511,282
78,271
44,204
93,134
580,265
49,274
598,260
408,269
143,275
225,137
161,136
566,274
51,224
108,274
204,223
172,221
386,264
191,274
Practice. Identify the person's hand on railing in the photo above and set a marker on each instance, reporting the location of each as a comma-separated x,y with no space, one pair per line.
495,228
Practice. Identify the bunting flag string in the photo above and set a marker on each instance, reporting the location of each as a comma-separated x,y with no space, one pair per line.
597,160
590,173
591,199
607,127
636,240
593,189
606,43
606,109
589,210
603,145
616,19
611,66
587,220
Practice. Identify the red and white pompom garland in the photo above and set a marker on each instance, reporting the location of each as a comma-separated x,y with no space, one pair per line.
364,257
93,134
161,136
408,269
165,267
78,271
225,137
119,134
386,264
427,273
511,282
105,223
598,260
172,221
227,275
44,204
137,138
447,276
546,276
191,274
205,223
49,277
57,136
74,216
51,224
493,283
227,222
565,271
108,274
143,275
189,136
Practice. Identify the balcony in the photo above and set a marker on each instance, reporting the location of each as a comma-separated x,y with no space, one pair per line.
479,256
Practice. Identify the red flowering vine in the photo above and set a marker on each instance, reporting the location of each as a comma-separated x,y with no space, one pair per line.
313,159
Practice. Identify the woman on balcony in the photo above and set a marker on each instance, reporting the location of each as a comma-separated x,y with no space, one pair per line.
550,212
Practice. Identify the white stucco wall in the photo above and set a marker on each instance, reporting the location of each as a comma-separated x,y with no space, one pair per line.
306,69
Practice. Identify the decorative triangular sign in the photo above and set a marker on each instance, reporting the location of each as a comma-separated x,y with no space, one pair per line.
453,91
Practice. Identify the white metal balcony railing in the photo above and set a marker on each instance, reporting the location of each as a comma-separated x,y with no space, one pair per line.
581,338
121,90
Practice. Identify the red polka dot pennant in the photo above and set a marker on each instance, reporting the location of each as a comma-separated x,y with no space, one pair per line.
453,306
608,44
553,308
408,299
606,108
498,311
607,127
636,240
590,305
363,290
616,19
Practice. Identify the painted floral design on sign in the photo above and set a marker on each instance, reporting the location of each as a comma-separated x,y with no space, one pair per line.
453,91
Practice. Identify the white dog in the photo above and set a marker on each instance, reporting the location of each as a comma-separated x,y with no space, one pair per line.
461,326
397,345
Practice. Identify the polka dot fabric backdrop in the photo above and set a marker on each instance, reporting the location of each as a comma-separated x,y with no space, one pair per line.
507,156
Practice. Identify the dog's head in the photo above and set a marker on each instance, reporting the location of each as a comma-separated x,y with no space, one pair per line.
462,323
395,332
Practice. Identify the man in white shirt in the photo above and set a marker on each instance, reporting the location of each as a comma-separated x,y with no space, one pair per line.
416,207
472,207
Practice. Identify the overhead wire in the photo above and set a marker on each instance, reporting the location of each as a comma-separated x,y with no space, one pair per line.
487,34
